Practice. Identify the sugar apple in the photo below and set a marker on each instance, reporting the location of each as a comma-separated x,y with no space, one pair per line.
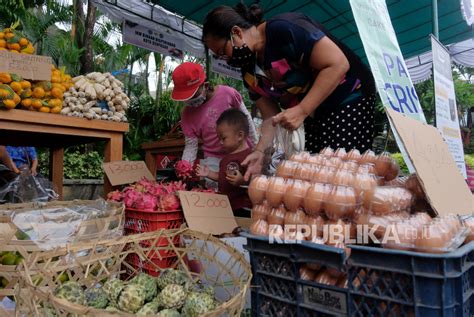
112,309
168,313
172,276
48,311
173,296
198,303
97,298
132,298
72,292
148,282
112,289
149,309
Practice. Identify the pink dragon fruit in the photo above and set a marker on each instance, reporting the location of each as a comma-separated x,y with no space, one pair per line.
184,169
115,196
169,202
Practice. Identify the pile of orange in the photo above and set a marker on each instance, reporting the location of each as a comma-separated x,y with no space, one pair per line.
42,96
15,42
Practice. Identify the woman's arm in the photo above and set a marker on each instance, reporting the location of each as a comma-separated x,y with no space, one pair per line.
331,65
254,161
191,146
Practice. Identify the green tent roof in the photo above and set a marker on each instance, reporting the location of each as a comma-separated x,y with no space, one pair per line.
412,19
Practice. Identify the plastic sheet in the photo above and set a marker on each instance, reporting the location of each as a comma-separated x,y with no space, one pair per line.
27,188
51,225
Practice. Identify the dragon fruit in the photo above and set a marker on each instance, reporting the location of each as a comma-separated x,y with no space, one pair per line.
169,202
115,195
184,169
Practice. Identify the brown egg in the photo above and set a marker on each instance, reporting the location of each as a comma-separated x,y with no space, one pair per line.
315,159
379,223
257,189
313,266
261,211
344,178
307,274
397,182
327,151
324,175
325,278
413,185
364,186
343,282
351,166
434,239
402,236
275,191
368,157
294,235
334,272
341,203
341,153
367,168
393,171
276,231
353,155
316,224
259,228
304,171
335,162
382,164
299,157
295,194
295,218
469,223
405,198
316,194
419,219
277,216
286,169
335,231
381,202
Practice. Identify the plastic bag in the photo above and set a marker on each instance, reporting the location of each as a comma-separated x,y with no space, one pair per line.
290,141
27,188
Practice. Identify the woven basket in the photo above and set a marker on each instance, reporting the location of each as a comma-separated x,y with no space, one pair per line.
108,224
221,266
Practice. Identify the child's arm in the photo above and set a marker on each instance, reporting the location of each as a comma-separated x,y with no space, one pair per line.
204,171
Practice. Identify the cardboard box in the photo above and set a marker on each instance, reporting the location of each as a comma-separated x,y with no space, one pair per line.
126,172
32,67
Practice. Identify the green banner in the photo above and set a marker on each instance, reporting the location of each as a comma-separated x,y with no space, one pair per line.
385,58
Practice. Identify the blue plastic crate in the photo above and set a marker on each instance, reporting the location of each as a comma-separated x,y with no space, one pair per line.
382,282
419,284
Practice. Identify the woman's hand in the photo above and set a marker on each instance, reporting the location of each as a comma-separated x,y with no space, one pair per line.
202,171
254,163
290,119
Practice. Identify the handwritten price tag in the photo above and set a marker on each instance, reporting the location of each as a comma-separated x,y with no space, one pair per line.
208,213
126,172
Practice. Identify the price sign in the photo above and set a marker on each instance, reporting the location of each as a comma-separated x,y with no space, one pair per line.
126,172
208,213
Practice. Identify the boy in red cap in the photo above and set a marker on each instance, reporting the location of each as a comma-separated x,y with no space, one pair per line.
204,105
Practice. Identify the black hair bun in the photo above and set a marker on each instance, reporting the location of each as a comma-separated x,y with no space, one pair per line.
252,14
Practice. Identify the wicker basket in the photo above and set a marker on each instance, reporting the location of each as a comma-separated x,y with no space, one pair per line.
108,224
221,266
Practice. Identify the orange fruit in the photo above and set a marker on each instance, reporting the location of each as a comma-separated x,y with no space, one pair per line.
55,103
25,84
2,35
9,103
38,92
26,102
16,99
14,51
16,86
9,35
57,93
23,42
56,110
4,93
3,43
44,109
5,78
29,49
35,103
55,79
14,46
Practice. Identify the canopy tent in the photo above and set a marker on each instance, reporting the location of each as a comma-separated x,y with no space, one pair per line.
412,21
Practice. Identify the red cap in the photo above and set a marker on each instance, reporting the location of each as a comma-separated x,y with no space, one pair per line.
187,79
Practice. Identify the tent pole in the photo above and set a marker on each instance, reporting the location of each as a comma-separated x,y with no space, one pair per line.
434,7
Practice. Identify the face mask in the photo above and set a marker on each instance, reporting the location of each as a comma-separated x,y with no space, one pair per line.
197,101
241,56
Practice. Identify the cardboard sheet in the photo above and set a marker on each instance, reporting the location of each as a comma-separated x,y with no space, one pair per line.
126,172
443,184
32,67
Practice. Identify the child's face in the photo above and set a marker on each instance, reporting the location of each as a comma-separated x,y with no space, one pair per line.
229,136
